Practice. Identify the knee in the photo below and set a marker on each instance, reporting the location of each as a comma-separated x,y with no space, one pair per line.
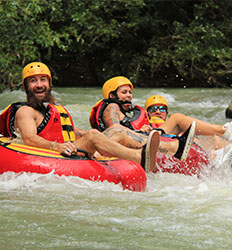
115,132
92,135
115,128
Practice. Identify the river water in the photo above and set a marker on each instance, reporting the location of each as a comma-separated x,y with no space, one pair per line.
175,212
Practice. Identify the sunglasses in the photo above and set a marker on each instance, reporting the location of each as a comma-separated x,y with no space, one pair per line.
154,109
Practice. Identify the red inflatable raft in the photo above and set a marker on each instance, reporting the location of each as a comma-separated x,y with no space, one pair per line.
22,158
197,160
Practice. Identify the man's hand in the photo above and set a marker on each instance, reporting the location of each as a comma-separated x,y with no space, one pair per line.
146,129
67,148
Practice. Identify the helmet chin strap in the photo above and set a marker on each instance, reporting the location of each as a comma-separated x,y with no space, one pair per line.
121,103
125,102
128,113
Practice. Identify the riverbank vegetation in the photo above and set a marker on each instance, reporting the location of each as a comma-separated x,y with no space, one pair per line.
154,43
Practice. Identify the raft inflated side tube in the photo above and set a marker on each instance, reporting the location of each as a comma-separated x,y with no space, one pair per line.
20,158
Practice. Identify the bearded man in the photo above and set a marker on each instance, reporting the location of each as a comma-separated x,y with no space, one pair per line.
41,122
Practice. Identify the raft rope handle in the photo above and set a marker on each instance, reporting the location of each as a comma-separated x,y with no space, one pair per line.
84,152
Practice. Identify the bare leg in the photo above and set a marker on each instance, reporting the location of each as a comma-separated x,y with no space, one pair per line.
178,123
131,139
126,136
211,143
94,140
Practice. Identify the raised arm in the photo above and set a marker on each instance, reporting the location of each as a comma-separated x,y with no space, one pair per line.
112,115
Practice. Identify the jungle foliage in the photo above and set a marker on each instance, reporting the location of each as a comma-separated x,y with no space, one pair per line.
158,43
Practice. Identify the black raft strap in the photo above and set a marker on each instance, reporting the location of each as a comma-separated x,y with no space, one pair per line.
86,155
83,151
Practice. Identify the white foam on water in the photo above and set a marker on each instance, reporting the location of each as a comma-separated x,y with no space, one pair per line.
15,96
51,181
175,212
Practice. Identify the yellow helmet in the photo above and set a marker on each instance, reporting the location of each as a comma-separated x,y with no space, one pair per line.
113,83
36,68
155,99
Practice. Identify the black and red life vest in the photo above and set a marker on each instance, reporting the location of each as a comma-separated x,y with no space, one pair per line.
57,124
133,120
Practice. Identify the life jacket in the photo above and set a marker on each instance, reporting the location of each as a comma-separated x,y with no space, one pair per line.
135,121
57,124
7,118
156,121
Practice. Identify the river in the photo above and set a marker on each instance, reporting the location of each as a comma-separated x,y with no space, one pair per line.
175,212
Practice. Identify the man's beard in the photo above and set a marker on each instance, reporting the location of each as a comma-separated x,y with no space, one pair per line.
37,104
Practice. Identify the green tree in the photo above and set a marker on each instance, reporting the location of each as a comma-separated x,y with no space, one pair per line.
197,43
154,43
26,35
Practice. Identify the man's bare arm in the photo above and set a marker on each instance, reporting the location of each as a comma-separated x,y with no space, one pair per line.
111,115
26,121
